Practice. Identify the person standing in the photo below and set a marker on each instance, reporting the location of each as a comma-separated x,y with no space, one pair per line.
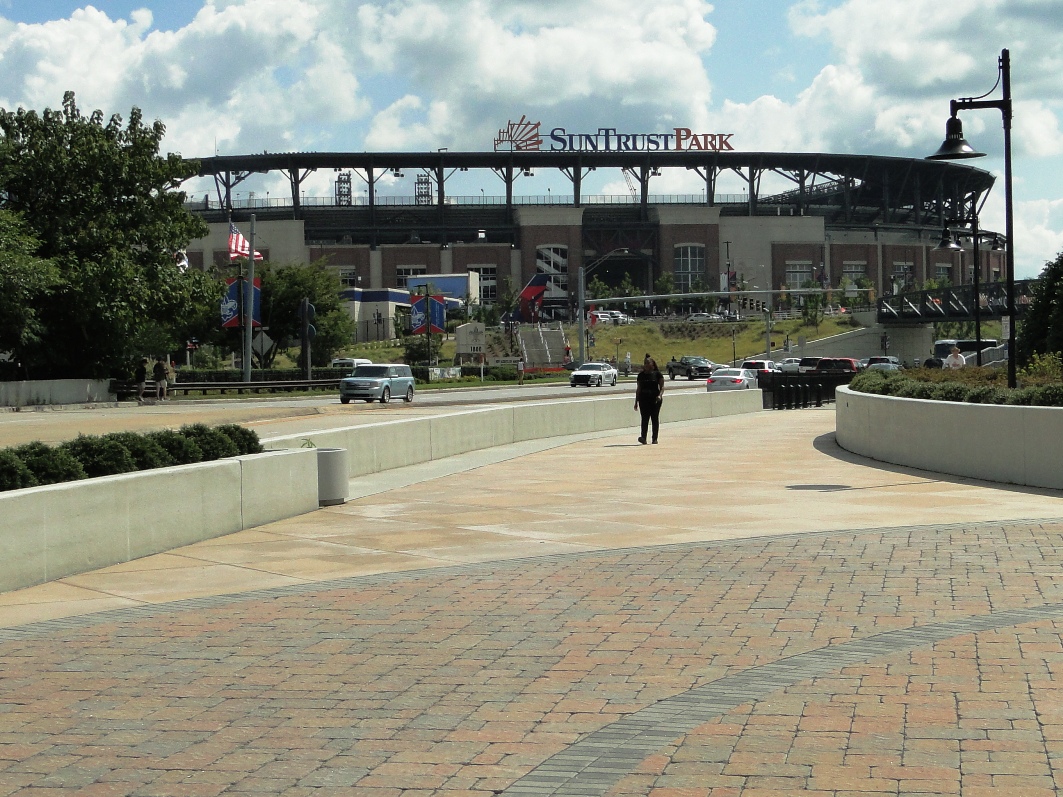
158,373
520,371
649,394
955,359
140,376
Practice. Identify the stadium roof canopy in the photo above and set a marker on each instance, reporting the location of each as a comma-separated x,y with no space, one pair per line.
845,189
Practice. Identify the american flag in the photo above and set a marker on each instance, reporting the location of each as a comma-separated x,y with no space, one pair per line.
238,245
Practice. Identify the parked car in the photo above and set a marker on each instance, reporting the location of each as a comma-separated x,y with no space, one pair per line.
593,375
790,365
884,367
349,362
882,358
761,366
704,317
619,318
690,366
731,379
807,365
837,365
378,383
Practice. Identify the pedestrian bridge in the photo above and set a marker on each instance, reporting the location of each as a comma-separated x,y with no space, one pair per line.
954,303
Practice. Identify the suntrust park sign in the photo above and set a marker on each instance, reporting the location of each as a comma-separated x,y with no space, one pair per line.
525,136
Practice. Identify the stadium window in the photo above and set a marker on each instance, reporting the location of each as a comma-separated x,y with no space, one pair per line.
403,273
349,277
488,282
798,272
689,266
854,270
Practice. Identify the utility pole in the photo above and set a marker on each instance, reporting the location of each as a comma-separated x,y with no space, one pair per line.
249,301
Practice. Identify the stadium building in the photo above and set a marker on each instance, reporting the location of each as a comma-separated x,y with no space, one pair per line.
830,220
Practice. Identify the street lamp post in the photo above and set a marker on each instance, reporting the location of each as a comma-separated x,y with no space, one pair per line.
581,297
955,147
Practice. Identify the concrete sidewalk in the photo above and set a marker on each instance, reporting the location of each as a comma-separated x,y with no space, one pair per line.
742,609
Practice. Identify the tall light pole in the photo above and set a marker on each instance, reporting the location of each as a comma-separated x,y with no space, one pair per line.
581,297
955,147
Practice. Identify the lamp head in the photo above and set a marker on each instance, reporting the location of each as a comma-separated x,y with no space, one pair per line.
955,146
947,243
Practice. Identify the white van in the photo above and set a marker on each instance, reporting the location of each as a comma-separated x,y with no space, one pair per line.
349,363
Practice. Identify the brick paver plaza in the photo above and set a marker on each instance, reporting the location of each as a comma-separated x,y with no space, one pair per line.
744,609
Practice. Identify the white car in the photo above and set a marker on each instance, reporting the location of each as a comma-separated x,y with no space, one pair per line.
731,379
791,365
593,375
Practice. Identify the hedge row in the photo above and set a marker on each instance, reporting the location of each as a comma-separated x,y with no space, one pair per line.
87,456
897,383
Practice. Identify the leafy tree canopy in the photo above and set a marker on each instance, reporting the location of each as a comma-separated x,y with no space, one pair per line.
25,281
283,288
1041,331
100,201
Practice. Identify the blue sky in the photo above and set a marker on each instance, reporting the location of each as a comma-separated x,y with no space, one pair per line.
856,76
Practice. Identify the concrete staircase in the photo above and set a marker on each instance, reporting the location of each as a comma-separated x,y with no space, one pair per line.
543,345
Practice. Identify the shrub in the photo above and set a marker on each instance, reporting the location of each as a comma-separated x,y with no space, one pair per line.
1047,396
213,444
987,394
50,465
183,450
950,391
876,382
910,388
99,456
245,440
14,475
1022,397
146,452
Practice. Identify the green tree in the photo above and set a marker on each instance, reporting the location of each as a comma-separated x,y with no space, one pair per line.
665,284
597,289
102,204
812,308
283,288
25,282
1041,331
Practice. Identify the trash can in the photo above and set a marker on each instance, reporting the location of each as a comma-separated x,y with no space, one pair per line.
331,476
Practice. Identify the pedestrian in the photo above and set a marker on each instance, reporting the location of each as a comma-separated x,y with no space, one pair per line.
140,376
649,394
520,371
158,373
954,360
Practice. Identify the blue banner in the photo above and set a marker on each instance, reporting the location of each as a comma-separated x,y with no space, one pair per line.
230,303
437,310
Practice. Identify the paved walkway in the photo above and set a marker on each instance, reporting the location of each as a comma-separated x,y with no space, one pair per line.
744,609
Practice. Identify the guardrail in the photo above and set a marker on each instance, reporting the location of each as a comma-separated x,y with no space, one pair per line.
125,389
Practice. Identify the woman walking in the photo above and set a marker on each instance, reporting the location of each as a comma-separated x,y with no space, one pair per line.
649,393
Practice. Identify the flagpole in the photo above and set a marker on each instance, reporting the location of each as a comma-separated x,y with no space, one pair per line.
249,301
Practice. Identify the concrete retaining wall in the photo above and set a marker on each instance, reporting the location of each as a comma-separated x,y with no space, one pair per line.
376,447
1015,445
55,391
61,529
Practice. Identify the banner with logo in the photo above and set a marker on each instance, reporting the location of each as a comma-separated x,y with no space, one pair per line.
436,315
231,304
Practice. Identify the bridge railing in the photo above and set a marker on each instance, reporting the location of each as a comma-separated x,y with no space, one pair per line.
954,303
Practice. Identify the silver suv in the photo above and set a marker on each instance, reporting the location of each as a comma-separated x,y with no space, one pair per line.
378,383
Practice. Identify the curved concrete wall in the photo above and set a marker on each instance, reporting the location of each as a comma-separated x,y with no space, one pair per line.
393,444
61,529
1016,445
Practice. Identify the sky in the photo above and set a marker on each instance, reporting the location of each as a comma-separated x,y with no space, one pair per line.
844,76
